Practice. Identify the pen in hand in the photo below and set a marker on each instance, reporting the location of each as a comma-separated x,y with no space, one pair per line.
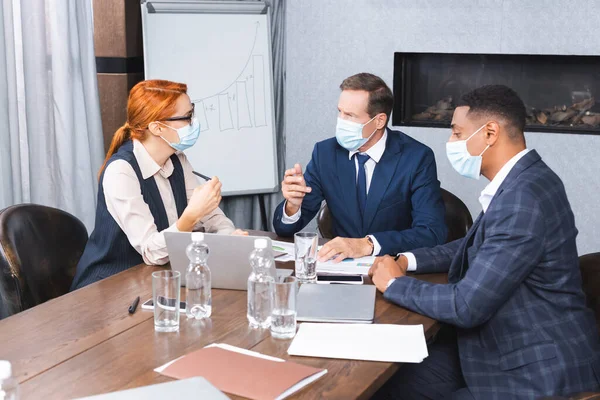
134,305
201,175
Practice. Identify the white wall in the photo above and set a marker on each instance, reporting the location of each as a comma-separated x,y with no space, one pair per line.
329,40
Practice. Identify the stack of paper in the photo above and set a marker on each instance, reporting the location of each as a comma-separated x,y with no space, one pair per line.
243,372
379,342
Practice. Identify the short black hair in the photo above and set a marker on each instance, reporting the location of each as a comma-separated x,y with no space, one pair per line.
498,101
381,99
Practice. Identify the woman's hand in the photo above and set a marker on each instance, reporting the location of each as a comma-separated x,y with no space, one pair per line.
239,232
205,199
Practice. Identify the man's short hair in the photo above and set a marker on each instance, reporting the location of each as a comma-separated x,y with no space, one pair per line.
381,99
501,102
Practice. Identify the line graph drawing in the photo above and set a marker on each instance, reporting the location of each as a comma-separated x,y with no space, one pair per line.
243,103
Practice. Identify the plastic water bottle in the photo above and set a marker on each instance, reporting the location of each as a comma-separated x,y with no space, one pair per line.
9,386
197,279
261,285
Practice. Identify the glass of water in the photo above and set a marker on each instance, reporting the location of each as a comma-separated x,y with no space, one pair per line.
165,294
283,318
306,245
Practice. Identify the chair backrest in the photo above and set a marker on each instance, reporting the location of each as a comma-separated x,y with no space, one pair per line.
39,250
589,265
458,218
324,222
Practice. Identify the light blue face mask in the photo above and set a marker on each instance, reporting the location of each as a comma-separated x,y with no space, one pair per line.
349,134
188,135
462,161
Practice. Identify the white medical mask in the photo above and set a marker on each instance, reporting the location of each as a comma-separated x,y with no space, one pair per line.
188,135
349,134
462,161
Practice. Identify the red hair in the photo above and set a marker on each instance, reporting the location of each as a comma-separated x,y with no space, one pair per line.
149,101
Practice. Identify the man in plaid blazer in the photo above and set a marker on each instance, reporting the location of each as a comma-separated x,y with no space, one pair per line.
517,326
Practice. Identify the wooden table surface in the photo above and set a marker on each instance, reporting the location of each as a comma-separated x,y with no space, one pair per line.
86,342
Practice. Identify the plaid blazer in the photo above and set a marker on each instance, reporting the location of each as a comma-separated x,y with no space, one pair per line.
514,293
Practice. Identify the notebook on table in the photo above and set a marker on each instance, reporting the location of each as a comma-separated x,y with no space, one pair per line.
242,372
336,303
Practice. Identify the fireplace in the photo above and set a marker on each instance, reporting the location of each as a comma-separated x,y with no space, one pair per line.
561,93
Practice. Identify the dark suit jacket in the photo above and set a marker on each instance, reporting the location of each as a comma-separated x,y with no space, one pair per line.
404,209
514,293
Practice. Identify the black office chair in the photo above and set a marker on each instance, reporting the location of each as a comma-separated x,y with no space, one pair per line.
39,250
458,218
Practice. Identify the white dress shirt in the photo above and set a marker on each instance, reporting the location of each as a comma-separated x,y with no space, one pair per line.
375,153
487,194
125,203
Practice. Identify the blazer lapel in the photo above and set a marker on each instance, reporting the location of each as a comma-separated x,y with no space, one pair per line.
346,173
382,177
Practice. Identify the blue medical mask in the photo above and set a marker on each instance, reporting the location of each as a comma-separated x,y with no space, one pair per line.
349,134
188,135
462,161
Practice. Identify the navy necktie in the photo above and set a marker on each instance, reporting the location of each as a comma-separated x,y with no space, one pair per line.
361,184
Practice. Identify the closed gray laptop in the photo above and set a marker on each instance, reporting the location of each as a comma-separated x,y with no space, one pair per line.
336,303
191,388
228,258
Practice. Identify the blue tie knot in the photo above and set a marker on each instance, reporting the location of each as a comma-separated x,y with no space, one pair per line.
362,158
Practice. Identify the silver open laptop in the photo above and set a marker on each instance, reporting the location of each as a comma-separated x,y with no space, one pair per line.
336,303
228,259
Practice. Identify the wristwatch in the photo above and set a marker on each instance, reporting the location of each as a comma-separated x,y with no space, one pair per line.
371,243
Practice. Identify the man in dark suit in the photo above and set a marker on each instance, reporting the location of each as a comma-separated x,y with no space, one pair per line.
380,185
517,323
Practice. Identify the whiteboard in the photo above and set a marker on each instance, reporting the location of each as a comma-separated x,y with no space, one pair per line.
222,51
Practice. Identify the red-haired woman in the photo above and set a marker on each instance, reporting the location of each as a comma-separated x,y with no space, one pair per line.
146,185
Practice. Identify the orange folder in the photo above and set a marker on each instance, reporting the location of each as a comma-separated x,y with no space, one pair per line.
244,375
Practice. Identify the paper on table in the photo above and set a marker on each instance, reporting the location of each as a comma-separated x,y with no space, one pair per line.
284,251
291,390
357,266
377,342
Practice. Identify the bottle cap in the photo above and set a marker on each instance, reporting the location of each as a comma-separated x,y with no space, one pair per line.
260,243
197,237
5,369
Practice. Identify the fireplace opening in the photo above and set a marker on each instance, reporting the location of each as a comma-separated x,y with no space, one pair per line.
561,93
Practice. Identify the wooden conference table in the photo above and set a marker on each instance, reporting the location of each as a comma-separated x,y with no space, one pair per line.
86,343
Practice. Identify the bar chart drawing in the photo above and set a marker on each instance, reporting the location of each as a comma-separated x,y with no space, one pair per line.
243,103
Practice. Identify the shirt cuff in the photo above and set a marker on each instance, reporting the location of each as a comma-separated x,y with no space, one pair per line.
286,219
390,282
412,261
376,245
172,228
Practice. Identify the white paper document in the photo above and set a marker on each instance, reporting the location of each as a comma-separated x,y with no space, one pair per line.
377,342
354,266
283,251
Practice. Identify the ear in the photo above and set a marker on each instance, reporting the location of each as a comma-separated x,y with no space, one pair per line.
380,121
492,130
156,129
